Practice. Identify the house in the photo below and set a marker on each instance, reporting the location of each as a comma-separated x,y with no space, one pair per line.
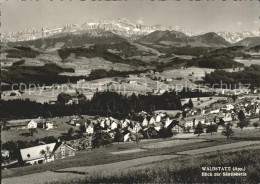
168,80
216,111
89,129
62,150
126,137
167,122
74,121
158,118
152,120
45,153
194,120
227,119
22,124
145,122
5,153
37,154
137,127
132,82
47,125
113,126
177,128
102,123
80,144
31,124
125,123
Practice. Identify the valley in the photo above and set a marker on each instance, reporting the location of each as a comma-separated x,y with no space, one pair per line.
118,95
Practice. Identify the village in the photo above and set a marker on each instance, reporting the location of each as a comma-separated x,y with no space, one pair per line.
81,132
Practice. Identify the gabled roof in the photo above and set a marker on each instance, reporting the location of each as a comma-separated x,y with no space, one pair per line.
58,144
33,153
22,122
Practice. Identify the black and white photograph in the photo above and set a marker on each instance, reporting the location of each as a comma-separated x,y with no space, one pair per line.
130,91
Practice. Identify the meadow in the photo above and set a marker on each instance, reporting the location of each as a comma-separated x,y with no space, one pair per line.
185,170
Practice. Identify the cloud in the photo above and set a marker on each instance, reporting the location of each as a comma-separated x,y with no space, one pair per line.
140,21
239,23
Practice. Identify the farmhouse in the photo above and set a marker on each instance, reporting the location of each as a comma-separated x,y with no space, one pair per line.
45,153
62,150
22,124
37,154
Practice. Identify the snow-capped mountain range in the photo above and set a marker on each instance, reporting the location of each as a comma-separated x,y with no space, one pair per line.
234,37
122,27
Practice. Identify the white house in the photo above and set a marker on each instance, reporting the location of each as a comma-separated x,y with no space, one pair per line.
133,82
152,120
158,118
102,123
229,107
145,122
126,137
38,154
167,122
32,124
113,126
90,129
48,125
215,111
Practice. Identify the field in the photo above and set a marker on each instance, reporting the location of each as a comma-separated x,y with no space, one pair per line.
204,101
184,170
61,127
248,62
191,73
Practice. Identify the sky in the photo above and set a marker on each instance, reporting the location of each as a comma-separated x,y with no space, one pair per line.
194,16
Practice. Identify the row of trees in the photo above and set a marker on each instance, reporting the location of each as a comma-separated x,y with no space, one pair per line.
102,103
220,78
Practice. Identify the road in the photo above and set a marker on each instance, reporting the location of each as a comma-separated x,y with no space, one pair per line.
82,172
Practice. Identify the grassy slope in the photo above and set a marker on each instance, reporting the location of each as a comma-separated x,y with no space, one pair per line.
103,156
185,170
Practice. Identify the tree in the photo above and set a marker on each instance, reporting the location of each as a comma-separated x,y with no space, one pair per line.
255,124
187,129
199,129
234,98
212,128
32,131
228,130
82,128
243,123
63,98
71,131
45,153
3,123
190,103
101,138
184,114
118,136
82,98
241,115
165,133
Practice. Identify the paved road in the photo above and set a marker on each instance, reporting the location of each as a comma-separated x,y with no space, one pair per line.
81,172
